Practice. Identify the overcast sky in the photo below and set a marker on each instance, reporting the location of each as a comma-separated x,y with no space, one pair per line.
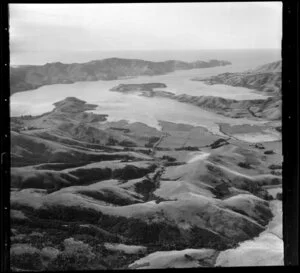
148,26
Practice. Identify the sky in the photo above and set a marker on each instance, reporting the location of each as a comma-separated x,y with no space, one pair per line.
145,26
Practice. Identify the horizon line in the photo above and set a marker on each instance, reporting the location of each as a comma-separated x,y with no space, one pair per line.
132,50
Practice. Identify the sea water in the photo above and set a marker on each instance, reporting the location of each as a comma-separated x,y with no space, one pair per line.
133,107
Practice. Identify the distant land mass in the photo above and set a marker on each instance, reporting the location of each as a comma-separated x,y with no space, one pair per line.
29,77
266,78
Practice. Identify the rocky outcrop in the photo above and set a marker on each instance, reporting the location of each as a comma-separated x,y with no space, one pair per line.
29,77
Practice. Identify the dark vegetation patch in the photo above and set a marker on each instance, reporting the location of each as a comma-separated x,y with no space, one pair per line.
147,186
143,151
165,149
35,150
277,173
188,148
222,184
27,261
100,259
60,166
60,223
120,229
259,146
75,143
42,180
221,190
74,261
203,238
151,141
87,176
279,196
162,235
132,172
127,143
168,158
108,196
244,165
168,164
54,180
124,130
264,213
111,141
219,143
275,167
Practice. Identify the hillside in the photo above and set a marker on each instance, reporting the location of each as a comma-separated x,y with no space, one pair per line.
269,109
265,78
29,77
91,194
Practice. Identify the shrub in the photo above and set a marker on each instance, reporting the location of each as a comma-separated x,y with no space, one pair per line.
279,196
251,187
107,196
151,141
187,148
132,172
94,174
275,167
169,158
68,214
244,165
145,187
277,173
70,261
203,238
127,143
111,141
76,256
218,143
268,197
259,146
27,261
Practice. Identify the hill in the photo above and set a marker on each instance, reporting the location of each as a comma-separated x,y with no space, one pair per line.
265,78
29,77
